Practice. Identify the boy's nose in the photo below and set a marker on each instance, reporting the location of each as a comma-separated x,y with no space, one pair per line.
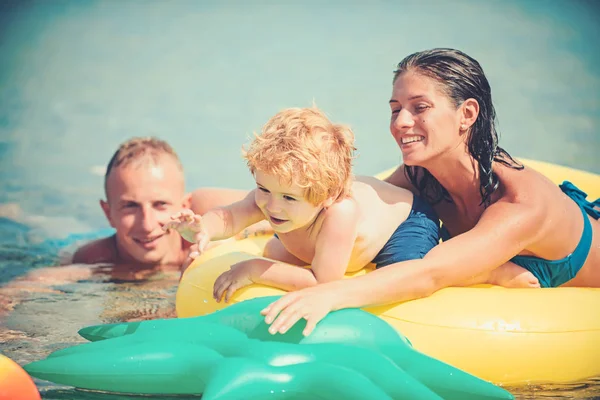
273,206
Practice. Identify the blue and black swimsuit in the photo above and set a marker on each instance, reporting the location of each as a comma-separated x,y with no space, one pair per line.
414,237
553,273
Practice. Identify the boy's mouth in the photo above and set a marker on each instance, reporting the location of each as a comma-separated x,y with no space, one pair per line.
277,221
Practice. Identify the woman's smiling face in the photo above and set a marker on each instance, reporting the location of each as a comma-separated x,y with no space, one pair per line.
424,121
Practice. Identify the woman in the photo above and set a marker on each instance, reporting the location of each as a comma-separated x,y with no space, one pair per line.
495,212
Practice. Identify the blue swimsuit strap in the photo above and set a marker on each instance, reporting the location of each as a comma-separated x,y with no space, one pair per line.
579,255
580,197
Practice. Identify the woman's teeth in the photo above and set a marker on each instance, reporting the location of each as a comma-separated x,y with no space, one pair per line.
411,139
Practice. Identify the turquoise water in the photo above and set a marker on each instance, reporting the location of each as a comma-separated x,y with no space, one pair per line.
79,77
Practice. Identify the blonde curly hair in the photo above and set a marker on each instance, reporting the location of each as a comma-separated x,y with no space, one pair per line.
302,146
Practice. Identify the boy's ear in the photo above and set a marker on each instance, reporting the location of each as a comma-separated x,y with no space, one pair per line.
327,203
106,208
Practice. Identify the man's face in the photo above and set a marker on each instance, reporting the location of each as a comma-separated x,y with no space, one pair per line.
141,196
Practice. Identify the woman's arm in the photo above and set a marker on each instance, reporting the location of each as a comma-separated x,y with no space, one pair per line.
502,232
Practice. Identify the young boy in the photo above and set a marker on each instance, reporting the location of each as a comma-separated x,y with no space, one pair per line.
321,214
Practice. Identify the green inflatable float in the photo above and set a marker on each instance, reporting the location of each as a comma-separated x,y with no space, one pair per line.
230,355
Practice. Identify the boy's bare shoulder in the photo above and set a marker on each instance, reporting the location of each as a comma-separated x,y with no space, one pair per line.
98,251
346,210
367,188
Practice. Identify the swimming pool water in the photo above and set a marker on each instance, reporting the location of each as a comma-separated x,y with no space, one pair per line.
78,78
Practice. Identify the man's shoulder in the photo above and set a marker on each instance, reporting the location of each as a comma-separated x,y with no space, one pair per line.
204,199
98,251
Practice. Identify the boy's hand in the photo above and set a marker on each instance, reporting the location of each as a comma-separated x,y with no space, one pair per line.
189,226
238,276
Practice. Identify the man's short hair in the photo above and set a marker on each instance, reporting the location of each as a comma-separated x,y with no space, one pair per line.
138,148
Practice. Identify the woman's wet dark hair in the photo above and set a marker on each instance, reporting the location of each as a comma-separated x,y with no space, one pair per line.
461,78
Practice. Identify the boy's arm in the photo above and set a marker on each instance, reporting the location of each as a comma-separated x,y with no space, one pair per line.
333,250
225,222
205,199
281,275
260,228
263,271
335,242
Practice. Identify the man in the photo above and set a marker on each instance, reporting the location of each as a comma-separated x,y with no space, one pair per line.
144,186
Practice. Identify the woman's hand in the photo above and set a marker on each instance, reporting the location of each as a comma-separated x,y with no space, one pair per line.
238,276
313,304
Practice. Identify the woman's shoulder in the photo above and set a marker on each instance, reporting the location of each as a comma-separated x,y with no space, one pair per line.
525,186
525,197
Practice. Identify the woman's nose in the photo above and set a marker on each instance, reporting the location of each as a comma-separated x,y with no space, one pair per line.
403,121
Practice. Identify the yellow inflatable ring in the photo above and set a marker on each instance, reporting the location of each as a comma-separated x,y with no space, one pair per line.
506,336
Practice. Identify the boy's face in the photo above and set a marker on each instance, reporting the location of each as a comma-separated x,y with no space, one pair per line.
284,205
142,196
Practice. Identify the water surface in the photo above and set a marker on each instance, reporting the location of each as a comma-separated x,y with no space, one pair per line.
79,77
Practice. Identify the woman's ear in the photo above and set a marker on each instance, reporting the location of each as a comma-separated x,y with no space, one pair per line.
469,114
